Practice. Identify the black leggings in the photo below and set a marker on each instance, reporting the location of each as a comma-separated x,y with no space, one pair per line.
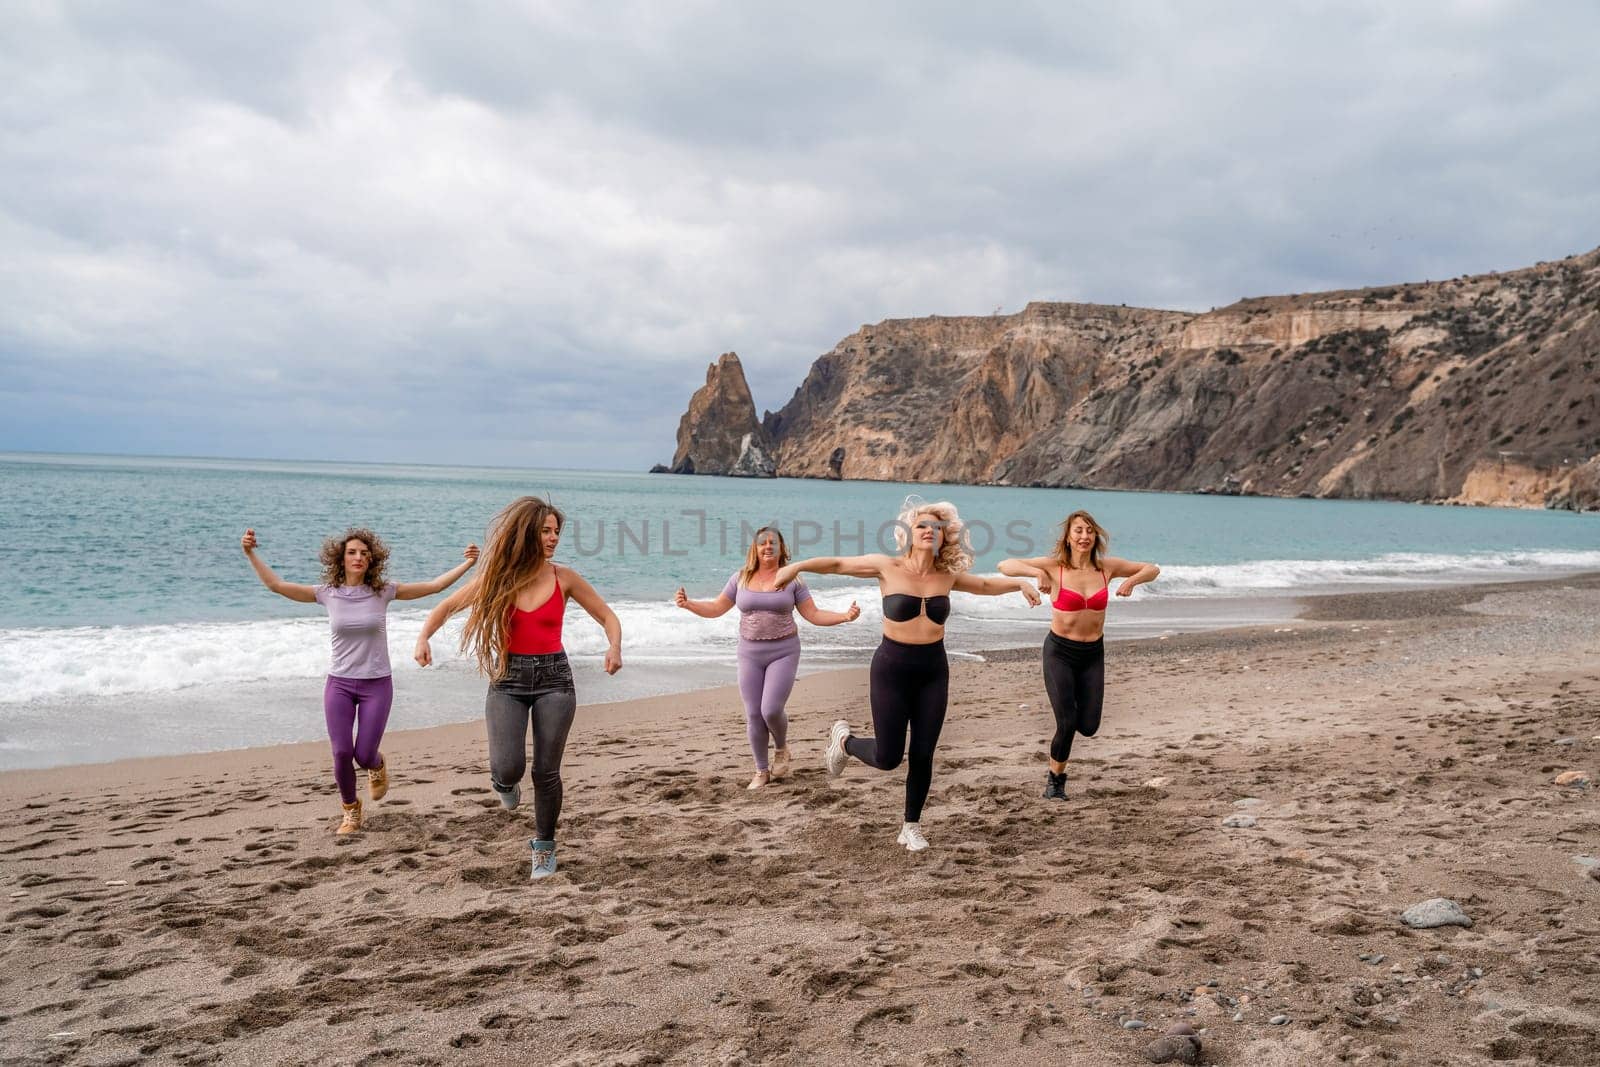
910,687
1075,678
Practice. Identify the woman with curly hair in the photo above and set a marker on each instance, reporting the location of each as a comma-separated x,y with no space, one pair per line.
359,690
518,600
1075,649
769,643
910,678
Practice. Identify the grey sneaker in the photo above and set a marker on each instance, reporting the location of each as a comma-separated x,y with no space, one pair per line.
911,837
509,798
544,859
835,757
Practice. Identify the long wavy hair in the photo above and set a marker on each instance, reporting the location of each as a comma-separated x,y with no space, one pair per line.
1102,540
514,555
953,557
752,559
332,557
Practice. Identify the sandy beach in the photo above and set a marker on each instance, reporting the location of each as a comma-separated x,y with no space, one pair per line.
1383,750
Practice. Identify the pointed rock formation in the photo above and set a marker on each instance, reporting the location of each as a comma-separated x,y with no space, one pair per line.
1477,390
720,434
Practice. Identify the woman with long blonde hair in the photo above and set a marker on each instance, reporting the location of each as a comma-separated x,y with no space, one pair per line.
769,643
517,603
910,680
1074,653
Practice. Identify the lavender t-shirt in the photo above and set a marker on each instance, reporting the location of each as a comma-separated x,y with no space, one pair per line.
358,617
766,616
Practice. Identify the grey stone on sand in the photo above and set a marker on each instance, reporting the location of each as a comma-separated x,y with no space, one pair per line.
1436,912
1134,1024
1239,822
1278,1020
1173,1048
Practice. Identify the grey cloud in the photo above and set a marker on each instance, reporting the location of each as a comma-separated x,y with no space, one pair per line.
497,215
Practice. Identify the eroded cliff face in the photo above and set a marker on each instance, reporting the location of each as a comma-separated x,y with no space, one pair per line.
1475,390
720,434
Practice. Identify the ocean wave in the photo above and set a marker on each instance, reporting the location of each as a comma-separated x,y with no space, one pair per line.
1269,576
60,664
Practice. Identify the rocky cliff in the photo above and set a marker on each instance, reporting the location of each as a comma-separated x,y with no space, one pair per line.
1474,390
720,434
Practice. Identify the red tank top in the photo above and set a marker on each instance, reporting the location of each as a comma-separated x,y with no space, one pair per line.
537,632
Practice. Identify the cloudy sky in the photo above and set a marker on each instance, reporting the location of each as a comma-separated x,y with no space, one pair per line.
516,233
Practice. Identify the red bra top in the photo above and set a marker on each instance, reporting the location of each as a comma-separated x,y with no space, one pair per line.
537,632
1071,600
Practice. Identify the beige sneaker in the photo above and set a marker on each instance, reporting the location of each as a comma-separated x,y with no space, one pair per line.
352,819
378,780
761,778
780,763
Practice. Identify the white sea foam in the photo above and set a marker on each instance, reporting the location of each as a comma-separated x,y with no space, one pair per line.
56,665
1269,576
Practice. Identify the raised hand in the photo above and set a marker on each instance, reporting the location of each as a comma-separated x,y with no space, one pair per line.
681,598
1127,587
853,612
470,554
1030,593
248,542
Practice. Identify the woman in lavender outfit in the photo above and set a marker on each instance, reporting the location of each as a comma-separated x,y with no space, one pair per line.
359,690
769,644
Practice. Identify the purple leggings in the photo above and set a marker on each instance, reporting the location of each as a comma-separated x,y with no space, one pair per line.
345,703
766,675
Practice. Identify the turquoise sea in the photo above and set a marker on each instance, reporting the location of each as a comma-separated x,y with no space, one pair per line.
130,623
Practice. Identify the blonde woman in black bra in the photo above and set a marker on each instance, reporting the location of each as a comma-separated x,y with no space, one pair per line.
910,674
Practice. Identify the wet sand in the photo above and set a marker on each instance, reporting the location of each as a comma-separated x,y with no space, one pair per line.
1390,748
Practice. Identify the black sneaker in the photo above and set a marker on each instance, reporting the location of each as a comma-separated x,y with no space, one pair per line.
1055,785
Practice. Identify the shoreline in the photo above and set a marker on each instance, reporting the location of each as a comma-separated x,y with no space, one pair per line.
1326,607
1239,842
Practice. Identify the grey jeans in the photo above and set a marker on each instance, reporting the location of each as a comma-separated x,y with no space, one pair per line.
536,690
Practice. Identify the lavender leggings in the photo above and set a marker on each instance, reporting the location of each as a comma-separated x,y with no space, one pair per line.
360,705
766,675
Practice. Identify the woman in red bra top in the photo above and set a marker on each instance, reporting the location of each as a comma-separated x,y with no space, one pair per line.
518,601
1080,575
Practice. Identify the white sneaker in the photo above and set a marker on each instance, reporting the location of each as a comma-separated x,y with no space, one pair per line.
911,837
834,758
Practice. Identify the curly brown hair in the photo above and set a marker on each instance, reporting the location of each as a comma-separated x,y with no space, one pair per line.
333,557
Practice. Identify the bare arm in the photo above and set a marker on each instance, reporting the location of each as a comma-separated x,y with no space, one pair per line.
436,618
871,566
706,609
304,594
1039,568
591,601
819,617
417,590
1133,574
970,583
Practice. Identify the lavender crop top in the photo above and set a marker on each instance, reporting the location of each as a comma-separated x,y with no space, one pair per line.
766,616
360,631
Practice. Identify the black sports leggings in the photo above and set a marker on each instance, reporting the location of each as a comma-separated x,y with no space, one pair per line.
1075,678
910,687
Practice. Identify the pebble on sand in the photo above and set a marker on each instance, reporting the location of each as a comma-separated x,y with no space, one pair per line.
1239,822
1157,783
1435,912
1134,1024
1278,1020
1578,778
1173,1049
